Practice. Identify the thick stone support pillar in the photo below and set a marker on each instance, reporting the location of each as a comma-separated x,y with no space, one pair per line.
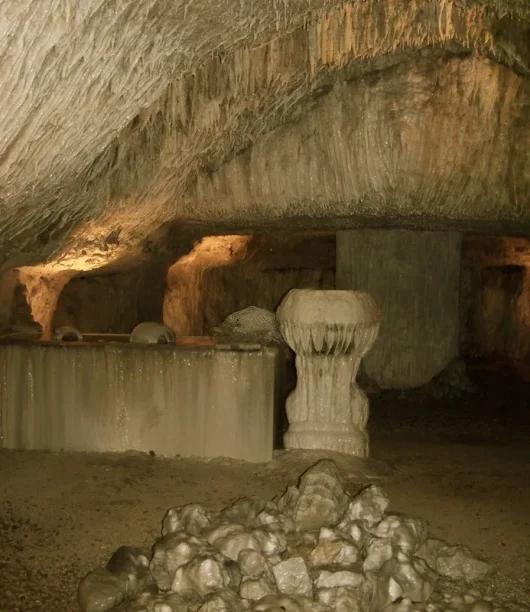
414,278
330,332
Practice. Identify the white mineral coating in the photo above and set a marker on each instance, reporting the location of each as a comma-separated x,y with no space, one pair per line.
224,600
270,516
149,332
292,577
368,506
203,575
220,531
256,588
171,552
271,540
243,511
453,561
253,564
294,603
378,552
231,545
101,590
345,599
342,578
322,500
330,332
191,518
404,532
67,333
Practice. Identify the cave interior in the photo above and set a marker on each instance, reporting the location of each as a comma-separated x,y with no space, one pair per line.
175,162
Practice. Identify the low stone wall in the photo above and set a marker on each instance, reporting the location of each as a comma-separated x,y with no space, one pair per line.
187,400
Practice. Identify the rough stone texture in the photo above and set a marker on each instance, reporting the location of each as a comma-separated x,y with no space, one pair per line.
224,274
495,311
211,572
414,278
112,303
453,561
159,94
15,312
251,324
321,499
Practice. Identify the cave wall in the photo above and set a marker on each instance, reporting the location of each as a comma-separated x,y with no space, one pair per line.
15,311
199,296
113,303
495,312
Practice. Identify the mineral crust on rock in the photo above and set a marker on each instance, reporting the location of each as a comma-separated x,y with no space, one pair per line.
317,549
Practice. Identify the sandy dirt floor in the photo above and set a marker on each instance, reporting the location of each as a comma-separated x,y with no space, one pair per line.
464,469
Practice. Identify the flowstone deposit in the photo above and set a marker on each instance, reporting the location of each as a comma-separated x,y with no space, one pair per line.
330,332
314,549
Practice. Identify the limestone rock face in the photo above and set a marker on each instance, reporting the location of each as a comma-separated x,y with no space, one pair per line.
121,117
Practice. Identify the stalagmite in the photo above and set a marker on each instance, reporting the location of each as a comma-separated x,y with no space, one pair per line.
330,332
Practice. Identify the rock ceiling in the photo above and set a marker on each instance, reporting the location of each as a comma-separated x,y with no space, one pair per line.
123,122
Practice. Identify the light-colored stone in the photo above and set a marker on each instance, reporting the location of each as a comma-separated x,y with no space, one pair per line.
271,540
368,506
170,553
294,603
223,600
203,575
378,552
345,599
330,332
453,561
404,532
252,563
255,589
342,578
322,500
292,577
152,333
191,518
337,552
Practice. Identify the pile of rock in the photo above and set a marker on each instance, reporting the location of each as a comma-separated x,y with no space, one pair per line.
314,549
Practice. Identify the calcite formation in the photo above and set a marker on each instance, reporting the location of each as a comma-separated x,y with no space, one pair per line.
120,117
205,562
330,332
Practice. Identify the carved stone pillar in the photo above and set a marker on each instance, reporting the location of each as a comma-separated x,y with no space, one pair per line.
330,332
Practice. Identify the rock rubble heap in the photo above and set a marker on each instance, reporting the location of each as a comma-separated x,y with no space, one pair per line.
314,549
